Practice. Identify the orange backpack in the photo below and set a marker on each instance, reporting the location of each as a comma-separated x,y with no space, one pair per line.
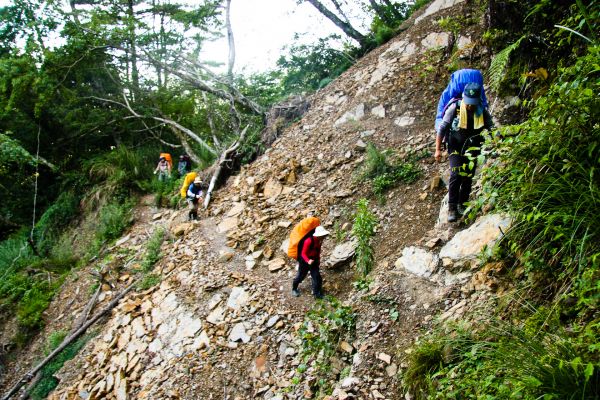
189,178
167,157
300,232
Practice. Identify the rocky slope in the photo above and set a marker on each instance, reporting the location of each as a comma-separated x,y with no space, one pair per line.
222,323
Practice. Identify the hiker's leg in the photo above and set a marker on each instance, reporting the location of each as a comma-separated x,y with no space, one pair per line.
317,280
456,163
302,272
467,178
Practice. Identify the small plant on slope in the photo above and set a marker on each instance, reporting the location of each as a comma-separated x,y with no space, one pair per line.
364,230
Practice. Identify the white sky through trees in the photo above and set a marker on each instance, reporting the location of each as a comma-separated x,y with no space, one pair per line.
261,28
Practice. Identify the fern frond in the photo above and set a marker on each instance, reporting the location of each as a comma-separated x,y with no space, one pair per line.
500,63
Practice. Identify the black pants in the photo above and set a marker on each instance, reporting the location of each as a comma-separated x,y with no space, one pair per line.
461,169
315,274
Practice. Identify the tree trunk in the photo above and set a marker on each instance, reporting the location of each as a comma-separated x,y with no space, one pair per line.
222,160
135,76
231,58
346,27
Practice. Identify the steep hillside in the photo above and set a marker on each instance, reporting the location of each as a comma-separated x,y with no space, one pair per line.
222,323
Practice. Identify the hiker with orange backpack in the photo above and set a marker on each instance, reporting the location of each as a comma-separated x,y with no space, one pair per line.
163,169
309,258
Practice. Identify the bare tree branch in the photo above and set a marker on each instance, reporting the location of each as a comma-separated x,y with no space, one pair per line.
165,121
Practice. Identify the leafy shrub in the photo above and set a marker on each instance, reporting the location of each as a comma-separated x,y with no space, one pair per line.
149,281
48,382
325,326
384,175
113,219
501,361
118,173
546,178
153,254
363,230
53,221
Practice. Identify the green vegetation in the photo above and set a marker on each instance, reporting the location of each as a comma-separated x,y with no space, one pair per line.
545,177
48,382
363,230
385,175
532,360
326,325
153,254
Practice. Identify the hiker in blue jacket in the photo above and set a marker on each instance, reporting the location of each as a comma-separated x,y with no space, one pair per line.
194,198
461,127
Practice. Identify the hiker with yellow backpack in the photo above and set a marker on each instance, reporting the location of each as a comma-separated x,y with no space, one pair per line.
305,246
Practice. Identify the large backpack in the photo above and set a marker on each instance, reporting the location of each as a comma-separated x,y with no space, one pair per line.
167,157
458,80
189,178
301,231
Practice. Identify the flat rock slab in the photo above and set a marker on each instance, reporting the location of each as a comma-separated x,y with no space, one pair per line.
238,298
418,261
353,115
238,332
468,244
342,253
227,224
436,6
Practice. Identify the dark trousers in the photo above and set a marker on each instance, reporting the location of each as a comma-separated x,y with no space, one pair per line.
461,169
315,274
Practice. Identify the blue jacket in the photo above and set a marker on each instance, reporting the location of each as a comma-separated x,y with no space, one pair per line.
194,190
458,80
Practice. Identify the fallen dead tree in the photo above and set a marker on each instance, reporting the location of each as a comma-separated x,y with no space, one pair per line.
32,373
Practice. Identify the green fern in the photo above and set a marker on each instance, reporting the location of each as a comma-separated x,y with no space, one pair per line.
500,63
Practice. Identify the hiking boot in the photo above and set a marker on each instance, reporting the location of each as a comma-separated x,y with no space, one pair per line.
453,215
295,293
319,296
462,209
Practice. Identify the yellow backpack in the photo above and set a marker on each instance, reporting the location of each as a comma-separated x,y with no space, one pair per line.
189,179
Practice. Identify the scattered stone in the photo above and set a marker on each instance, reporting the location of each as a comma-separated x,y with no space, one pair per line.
276,264
217,316
404,121
342,253
238,332
347,347
272,321
238,298
182,229
435,183
236,210
378,111
272,189
391,370
417,261
284,224
354,115
385,358
360,145
227,224
157,216
467,244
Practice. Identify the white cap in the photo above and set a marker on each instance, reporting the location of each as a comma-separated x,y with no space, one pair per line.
320,231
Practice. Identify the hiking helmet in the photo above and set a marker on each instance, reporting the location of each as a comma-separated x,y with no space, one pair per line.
472,94
320,231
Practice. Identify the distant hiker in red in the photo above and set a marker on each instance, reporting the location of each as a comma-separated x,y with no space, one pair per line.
309,260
